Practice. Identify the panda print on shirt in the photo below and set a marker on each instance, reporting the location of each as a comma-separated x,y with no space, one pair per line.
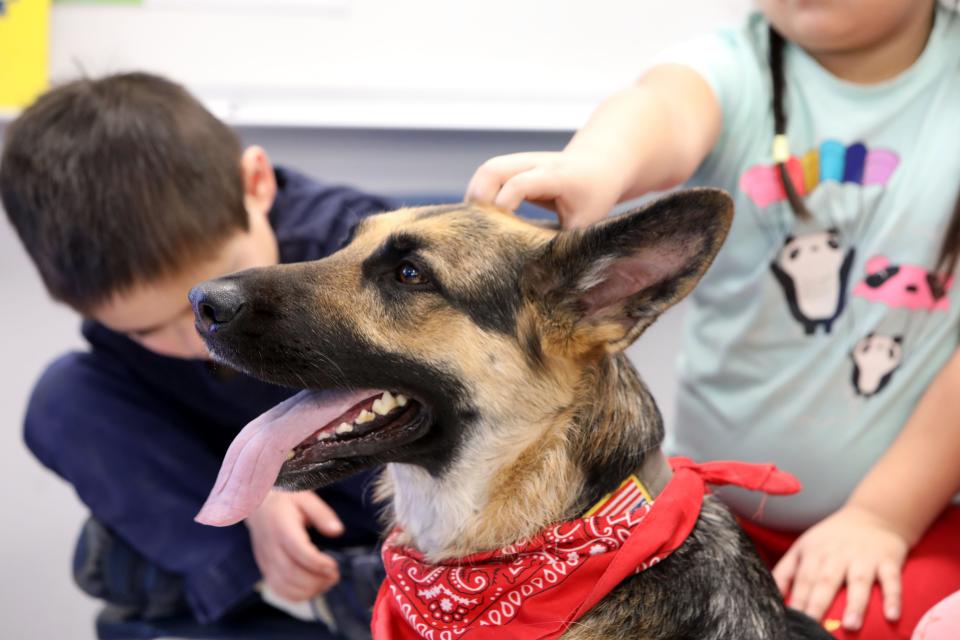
813,270
896,286
875,359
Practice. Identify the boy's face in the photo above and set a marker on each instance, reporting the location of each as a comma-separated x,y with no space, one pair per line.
157,315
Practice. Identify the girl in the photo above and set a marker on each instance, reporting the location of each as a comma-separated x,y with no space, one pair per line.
823,338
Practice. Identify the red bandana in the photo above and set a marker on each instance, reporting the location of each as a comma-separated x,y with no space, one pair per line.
535,589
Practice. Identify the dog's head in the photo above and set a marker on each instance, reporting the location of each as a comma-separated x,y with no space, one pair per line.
438,327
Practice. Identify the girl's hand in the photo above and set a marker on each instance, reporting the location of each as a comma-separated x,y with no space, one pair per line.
650,136
580,188
290,563
853,547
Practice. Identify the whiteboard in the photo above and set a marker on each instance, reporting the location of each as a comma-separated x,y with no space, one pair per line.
448,64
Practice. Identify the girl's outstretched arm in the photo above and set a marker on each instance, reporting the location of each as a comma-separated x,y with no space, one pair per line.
648,137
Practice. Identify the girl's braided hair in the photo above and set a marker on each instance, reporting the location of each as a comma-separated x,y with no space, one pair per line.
949,249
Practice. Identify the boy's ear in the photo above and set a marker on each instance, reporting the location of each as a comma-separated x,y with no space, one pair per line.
602,286
259,181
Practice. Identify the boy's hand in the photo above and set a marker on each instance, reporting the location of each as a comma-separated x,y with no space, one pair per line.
852,546
290,563
580,188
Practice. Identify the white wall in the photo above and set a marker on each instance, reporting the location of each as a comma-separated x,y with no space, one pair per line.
495,64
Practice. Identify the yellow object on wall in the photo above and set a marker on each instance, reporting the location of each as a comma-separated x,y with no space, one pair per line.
24,46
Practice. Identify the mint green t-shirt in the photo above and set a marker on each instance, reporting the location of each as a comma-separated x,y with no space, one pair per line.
809,344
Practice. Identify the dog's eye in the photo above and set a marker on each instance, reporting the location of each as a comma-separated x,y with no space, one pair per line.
409,274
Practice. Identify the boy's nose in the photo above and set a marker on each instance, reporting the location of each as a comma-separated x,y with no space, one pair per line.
216,303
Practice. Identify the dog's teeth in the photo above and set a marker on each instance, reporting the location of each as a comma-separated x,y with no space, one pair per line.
401,400
324,435
290,455
364,417
344,427
384,404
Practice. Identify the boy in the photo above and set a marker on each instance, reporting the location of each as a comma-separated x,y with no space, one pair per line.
126,192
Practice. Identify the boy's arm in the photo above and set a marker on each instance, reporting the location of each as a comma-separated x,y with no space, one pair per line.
648,137
890,510
141,478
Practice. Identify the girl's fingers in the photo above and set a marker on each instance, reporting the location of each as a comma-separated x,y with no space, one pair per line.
890,585
785,570
535,184
804,581
859,583
824,589
492,174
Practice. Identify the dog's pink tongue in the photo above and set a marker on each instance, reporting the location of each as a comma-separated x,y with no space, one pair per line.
254,459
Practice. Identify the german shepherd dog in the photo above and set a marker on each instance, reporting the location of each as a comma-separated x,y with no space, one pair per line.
511,405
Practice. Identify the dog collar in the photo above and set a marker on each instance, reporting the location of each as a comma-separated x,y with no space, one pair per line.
535,589
638,489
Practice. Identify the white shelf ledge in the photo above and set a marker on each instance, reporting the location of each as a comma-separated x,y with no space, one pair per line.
398,111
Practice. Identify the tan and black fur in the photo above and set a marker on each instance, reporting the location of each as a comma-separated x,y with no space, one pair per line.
512,344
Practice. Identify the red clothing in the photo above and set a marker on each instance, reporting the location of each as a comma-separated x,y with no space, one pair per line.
930,574
535,589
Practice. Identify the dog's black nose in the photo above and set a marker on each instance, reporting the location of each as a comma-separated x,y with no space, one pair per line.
216,303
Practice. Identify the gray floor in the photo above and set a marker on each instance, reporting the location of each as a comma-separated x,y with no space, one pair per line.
37,599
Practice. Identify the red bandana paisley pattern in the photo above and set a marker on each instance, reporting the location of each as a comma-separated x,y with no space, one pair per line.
536,588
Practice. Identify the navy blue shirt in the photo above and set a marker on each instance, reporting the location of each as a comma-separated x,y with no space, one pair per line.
141,436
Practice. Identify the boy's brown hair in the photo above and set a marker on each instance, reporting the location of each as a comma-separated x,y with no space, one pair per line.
118,181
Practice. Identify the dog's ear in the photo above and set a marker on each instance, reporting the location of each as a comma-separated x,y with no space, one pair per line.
602,286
